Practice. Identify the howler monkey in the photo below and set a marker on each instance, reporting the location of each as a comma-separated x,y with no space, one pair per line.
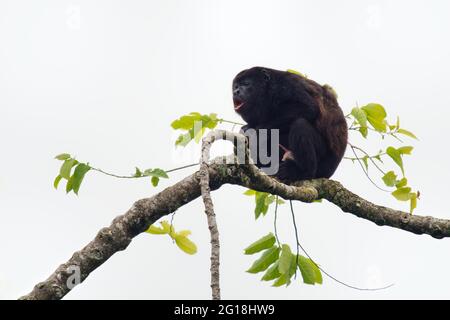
312,127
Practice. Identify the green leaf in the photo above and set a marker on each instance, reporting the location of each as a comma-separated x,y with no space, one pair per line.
250,192
375,111
396,156
185,244
183,140
307,267
376,115
265,242
407,133
271,273
285,278
69,186
57,181
282,280
62,156
405,150
413,202
78,175
155,230
365,160
296,72
138,173
402,183
317,273
186,122
160,173
402,194
261,204
267,258
155,181
168,228
66,168
390,179
378,125
284,263
195,124
361,118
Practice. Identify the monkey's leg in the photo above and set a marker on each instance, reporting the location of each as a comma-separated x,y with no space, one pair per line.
305,145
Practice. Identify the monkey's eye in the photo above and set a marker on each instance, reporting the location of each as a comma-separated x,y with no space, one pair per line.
266,74
245,83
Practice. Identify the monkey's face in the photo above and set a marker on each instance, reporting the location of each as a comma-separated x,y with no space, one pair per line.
251,94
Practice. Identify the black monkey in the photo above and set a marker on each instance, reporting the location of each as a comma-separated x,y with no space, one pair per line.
312,126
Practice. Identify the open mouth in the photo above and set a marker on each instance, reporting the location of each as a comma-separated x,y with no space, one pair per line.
238,104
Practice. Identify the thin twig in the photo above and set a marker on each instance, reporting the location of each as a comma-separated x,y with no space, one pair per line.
365,172
299,245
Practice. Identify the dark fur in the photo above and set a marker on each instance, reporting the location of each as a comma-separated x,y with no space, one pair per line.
311,123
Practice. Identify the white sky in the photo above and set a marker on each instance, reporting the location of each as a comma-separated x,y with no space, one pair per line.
104,79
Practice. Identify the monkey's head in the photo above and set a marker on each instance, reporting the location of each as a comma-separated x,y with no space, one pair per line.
260,93
251,93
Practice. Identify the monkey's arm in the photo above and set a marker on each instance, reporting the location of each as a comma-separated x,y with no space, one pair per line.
303,152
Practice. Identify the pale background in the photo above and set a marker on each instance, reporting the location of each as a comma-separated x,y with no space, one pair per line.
104,79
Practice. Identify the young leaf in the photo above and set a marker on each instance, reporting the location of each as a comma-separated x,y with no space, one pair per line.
376,115
264,243
402,183
155,230
267,258
185,244
186,122
155,181
390,179
184,233
62,156
296,72
396,156
405,150
66,168
137,173
407,133
402,194
160,173
195,124
413,202
361,118
250,192
78,175
365,160
168,228
375,111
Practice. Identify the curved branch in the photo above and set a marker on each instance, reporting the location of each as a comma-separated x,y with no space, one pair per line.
147,211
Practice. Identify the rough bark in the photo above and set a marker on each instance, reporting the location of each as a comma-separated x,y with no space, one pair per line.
211,216
146,211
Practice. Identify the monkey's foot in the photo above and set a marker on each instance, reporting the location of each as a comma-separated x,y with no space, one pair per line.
288,155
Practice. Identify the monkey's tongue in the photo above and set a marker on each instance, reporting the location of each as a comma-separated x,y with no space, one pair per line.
238,105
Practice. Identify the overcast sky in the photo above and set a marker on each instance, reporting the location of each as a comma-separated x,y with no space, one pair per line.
104,79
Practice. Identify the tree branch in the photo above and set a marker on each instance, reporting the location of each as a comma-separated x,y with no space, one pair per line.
210,214
147,211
